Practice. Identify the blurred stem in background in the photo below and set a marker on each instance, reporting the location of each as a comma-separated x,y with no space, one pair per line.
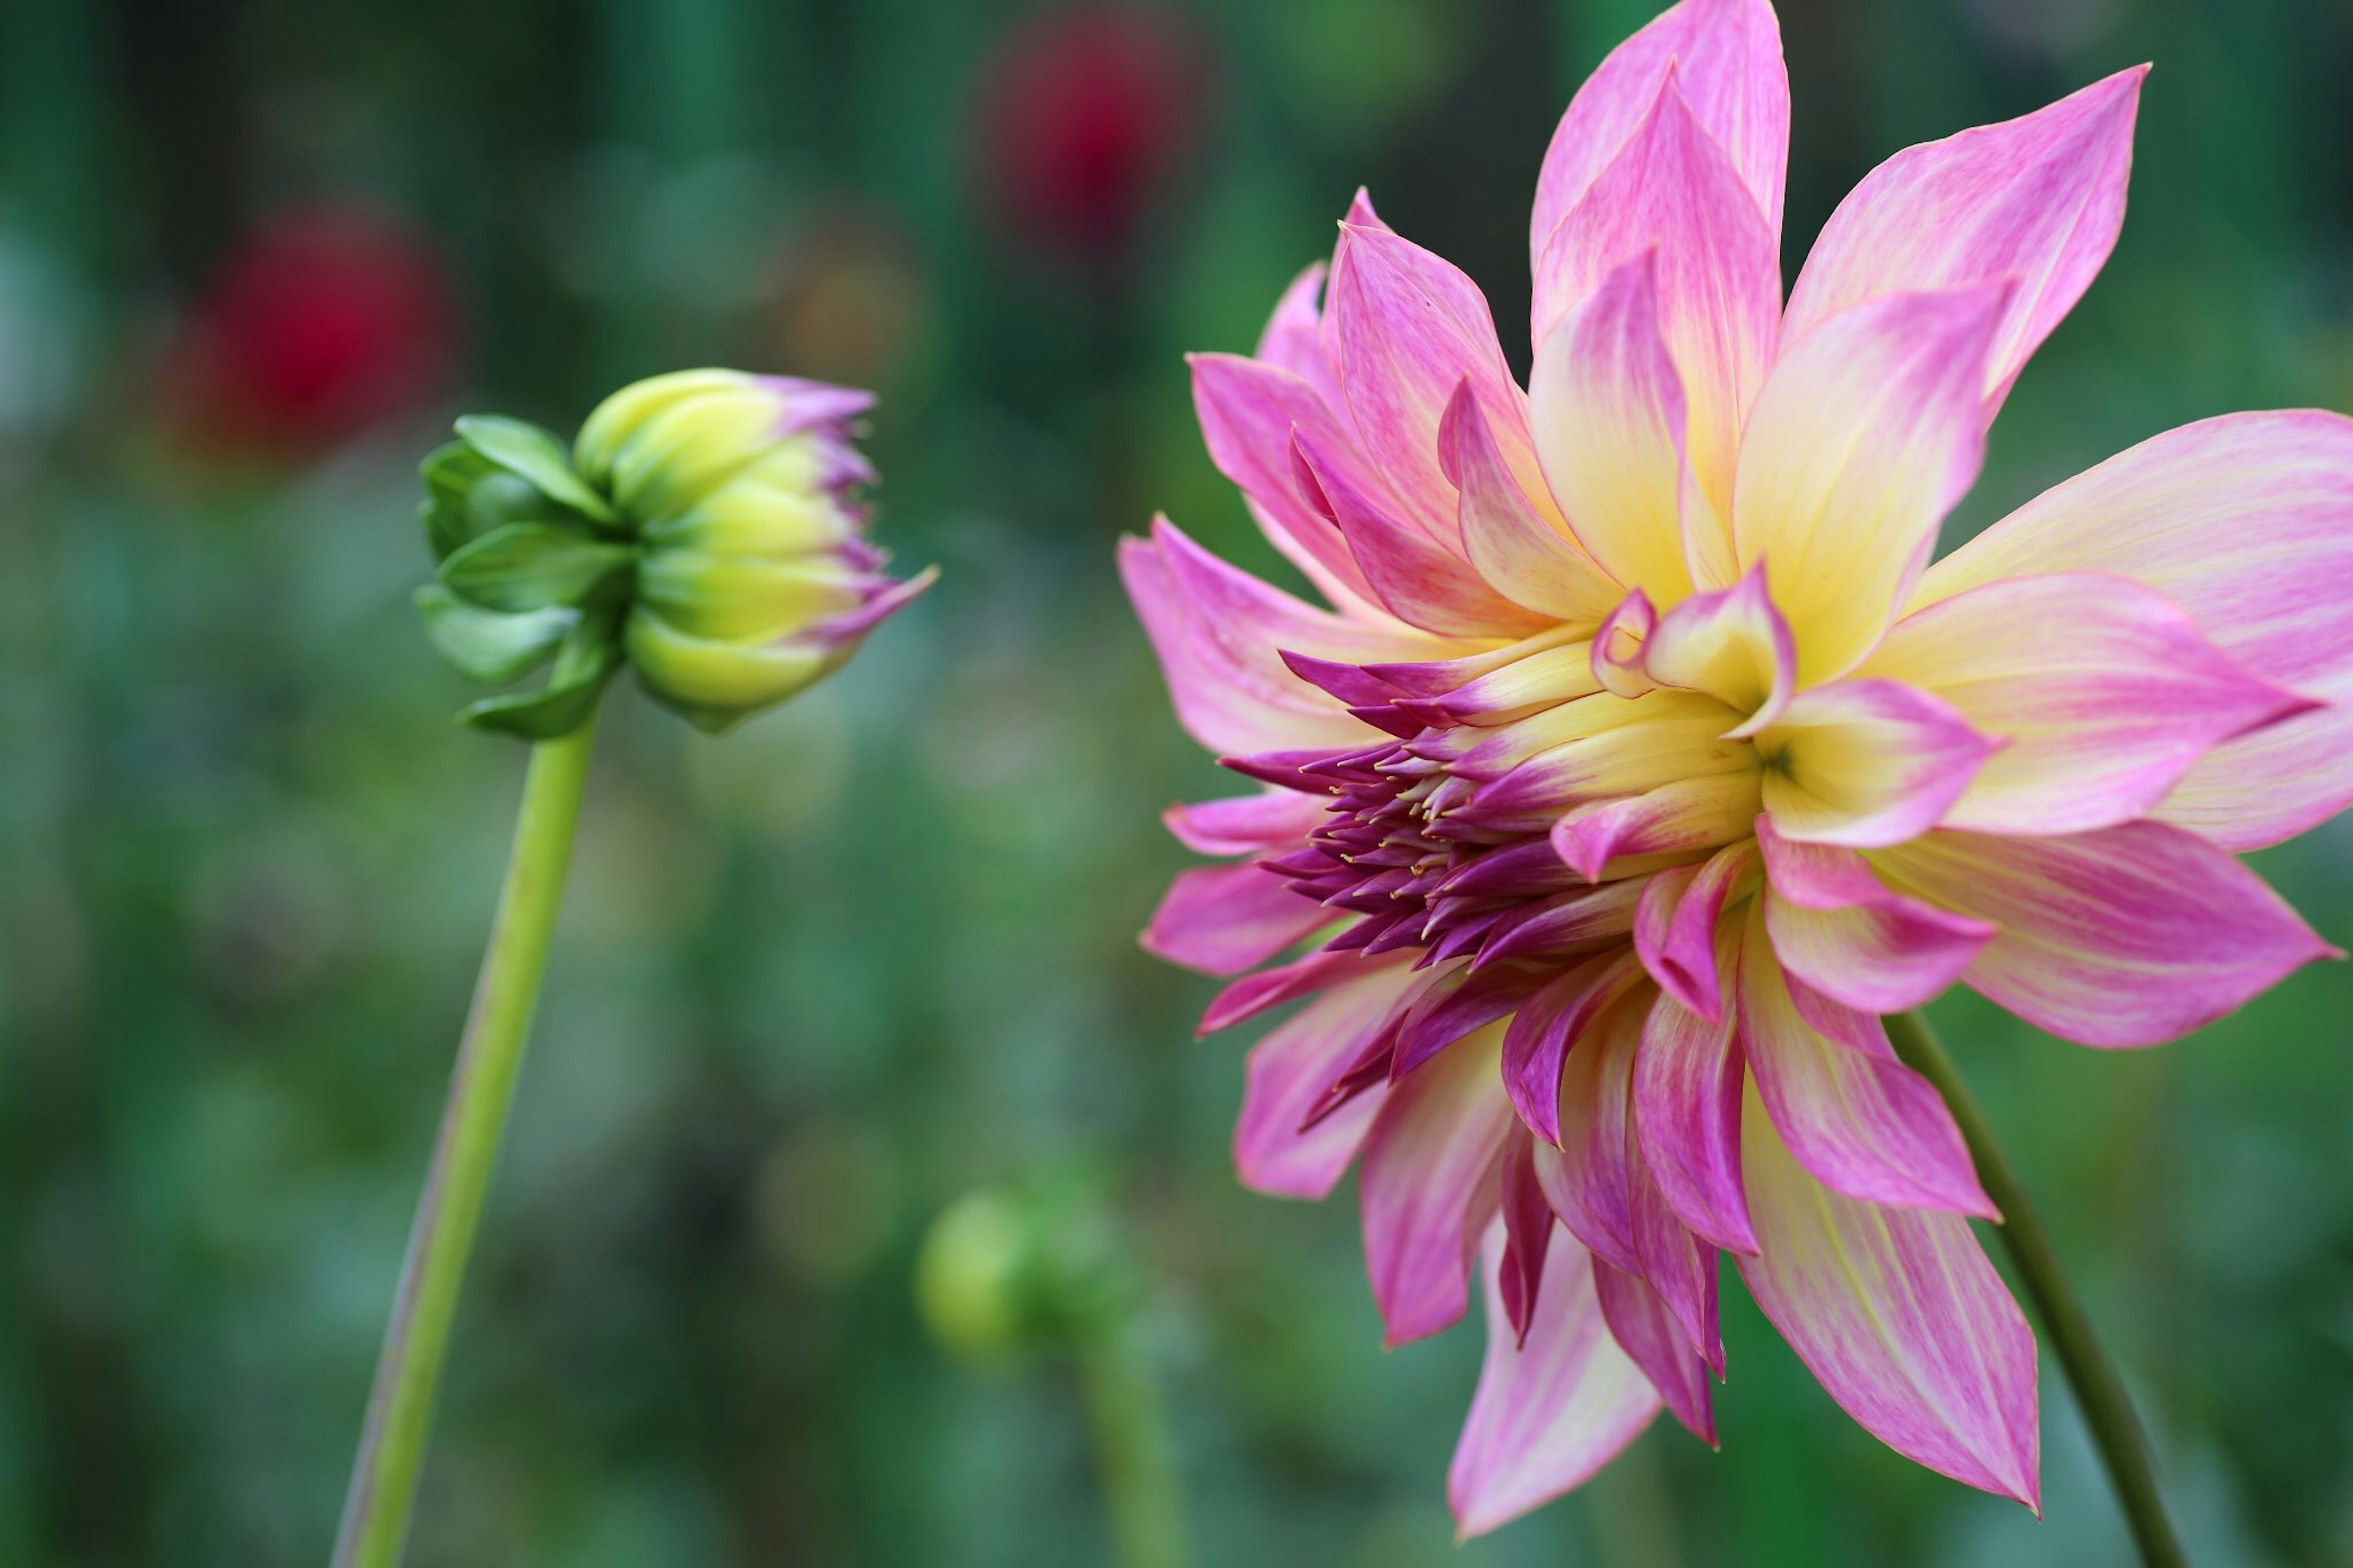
1138,1464
1043,1265
481,1088
2099,1388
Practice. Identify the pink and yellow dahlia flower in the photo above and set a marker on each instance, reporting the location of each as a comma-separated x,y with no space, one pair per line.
1643,762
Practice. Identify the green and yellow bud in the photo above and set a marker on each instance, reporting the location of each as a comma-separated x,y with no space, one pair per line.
730,500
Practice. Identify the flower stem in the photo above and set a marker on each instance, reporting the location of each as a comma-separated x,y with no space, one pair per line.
2099,1388
1141,1491
482,1087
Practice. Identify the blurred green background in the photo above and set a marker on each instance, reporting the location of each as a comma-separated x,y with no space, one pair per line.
877,949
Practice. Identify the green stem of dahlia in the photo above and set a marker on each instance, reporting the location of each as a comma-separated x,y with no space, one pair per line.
482,1087
1141,1491
2099,1389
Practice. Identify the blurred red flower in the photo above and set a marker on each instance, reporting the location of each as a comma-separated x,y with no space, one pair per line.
324,321
1083,115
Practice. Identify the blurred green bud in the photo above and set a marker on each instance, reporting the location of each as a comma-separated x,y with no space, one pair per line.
704,528
971,1282
1005,1270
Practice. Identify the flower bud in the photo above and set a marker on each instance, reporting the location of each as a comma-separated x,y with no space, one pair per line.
755,577
705,528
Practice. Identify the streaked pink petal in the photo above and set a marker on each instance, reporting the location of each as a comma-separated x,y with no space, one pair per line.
1527,558
1545,1030
1900,1315
1290,1071
2040,199
1528,1226
1868,431
1866,763
1727,54
1617,647
1429,1185
1607,410
1835,926
2105,692
2247,523
2129,936
1269,988
1648,1333
1222,919
1420,581
1692,814
1718,277
1410,327
1860,1122
1293,338
1686,1088
1246,823
1589,1176
1679,1267
1675,926
1734,646
1218,631
1549,1412
1247,410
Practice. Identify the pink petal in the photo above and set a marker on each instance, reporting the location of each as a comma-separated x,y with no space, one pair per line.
1429,1185
1589,1177
1617,647
1551,1411
1218,632
1836,927
1528,559
2106,693
1675,926
2040,199
1269,988
1648,1333
1546,1028
1718,277
1411,327
1727,54
2129,936
1607,409
1901,1317
1679,1265
1686,1088
1421,582
1732,645
1866,763
1860,1122
2247,523
1247,410
1868,431
1245,825
1222,919
1293,338
1290,1071
1528,1226
1692,814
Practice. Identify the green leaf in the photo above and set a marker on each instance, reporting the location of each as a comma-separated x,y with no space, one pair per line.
535,454
446,532
487,645
590,654
451,471
531,566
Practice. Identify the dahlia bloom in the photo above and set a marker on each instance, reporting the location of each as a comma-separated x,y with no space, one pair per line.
1643,762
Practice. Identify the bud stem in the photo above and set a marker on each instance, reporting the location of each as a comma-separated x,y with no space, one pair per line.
1141,1491
482,1087
2099,1388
